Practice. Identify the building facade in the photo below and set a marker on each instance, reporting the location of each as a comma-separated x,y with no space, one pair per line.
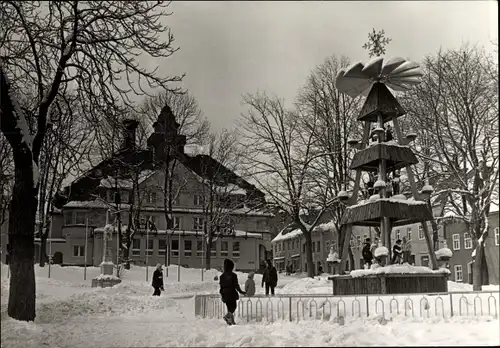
208,197
460,243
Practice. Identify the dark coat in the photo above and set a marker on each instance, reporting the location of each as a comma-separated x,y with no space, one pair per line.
270,276
157,279
367,253
396,250
229,285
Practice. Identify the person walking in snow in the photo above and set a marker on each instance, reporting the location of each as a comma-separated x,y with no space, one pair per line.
250,285
397,252
270,278
367,253
229,289
158,280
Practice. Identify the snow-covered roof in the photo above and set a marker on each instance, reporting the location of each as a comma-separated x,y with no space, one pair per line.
231,189
284,235
410,201
111,182
88,204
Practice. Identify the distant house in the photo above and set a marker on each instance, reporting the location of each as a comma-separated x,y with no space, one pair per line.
91,201
460,243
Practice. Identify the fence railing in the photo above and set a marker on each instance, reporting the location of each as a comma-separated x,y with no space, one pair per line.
296,307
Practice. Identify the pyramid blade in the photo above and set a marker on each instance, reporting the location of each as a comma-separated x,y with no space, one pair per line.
391,64
404,67
409,72
355,70
373,67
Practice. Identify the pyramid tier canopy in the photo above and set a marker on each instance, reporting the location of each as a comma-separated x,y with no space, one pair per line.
399,212
396,157
380,101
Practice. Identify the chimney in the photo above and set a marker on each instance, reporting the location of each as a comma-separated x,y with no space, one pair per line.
129,127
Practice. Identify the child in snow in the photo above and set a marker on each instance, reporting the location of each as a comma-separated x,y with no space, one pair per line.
397,251
250,285
229,288
158,280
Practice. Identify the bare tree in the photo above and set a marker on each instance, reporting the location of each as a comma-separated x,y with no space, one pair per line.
336,115
226,197
282,156
455,109
178,117
66,145
55,46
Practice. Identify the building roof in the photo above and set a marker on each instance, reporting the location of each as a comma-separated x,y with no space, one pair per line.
286,234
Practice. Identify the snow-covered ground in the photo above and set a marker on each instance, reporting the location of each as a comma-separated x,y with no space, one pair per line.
72,314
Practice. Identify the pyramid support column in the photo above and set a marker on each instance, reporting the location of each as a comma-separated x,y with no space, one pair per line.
347,231
430,247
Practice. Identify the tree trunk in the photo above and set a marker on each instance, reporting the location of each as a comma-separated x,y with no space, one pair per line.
43,248
351,260
21,233
309,255
208,248
477,265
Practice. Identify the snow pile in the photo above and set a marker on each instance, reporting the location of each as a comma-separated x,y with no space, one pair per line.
284,235
106,277
427,189
396,269
400,197
307,285
381,251
444,252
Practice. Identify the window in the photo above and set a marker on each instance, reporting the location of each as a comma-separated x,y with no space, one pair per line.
213,249
224,249
398,234
199,248
136,247
79,251
187,248
236,249
79,218
421,233
327,245
175,248
177,222
151,198
149,249
110,196
408,233
162,245
334,245
177,200
467,241
358,241
197,200
124,196
318,246
198,223
352,242
456,241
459,274
304,247
289,245
496,236
365,236
424,260
68,218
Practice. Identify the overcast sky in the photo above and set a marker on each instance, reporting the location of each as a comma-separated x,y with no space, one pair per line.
228,49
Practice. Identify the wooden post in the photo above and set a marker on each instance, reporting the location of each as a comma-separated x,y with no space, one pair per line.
345,248
428,240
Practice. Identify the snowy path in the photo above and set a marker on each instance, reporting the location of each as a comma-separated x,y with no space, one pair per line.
177,327
71,314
